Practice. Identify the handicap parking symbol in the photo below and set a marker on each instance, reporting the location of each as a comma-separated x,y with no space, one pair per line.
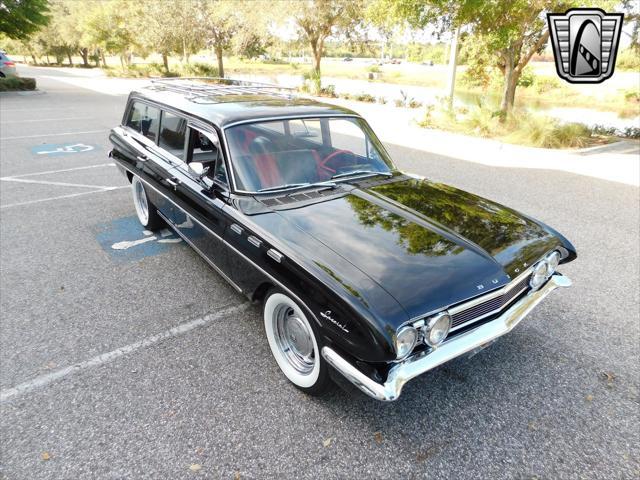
54,150
125,240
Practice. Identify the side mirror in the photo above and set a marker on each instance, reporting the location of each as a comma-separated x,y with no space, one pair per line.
202,168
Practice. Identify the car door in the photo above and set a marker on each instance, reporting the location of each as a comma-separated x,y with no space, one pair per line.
200,198
144,130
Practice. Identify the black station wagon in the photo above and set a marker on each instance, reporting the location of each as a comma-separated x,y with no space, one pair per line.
362,269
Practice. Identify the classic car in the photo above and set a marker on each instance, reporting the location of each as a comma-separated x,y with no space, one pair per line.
362,269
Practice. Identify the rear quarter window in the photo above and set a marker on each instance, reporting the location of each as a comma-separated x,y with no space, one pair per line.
144,119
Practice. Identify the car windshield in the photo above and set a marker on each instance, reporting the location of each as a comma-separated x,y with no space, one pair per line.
294,153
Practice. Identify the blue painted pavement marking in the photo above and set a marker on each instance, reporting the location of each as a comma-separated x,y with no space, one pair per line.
125,240
57,149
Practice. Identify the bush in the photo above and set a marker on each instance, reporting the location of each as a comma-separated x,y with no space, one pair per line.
374,69
628,59
632,96
312,82
199,70
546,84
364,97
12,84
527,77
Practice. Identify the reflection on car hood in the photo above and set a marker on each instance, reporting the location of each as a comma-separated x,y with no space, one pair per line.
429,245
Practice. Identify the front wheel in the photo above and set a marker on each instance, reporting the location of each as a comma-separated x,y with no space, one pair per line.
145,210
294,344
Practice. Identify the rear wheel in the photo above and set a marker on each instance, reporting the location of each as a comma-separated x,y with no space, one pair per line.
294,344
146,211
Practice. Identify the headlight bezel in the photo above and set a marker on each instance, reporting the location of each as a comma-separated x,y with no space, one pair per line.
539,274
430,324
403,352
553,260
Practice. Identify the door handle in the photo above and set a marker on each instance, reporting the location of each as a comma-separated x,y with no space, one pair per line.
174,182
142,158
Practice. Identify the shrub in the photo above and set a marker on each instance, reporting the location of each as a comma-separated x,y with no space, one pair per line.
374,69
365,97
10,84
312,82
527,77
628,59
546,84
200,70
632,96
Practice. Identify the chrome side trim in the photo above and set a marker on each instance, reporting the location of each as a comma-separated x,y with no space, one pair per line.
420,363
256,266
275,255
255,241
199,252
235,228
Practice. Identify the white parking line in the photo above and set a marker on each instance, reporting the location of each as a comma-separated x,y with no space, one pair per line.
59,184
53,134
63,170
49,199
32,120
44,380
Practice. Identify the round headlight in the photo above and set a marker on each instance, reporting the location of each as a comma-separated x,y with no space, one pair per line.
437,329
553,260
406,339
539,274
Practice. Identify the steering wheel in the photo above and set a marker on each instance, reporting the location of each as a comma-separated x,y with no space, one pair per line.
332,155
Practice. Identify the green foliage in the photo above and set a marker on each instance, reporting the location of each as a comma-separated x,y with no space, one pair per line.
628,59
21,18
312,82
419,53
10,84
527,77
521,127
546,84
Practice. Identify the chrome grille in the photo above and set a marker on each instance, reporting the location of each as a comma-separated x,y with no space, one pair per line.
493,304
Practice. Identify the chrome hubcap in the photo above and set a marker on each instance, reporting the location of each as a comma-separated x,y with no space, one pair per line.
294,338
140,201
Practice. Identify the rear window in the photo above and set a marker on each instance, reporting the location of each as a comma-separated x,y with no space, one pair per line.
173,133
144,119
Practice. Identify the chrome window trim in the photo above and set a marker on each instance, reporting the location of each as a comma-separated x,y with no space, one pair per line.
255,265
232,173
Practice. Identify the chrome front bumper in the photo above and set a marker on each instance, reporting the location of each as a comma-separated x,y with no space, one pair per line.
418,364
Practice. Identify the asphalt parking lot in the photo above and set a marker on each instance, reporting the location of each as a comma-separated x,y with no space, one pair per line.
123,355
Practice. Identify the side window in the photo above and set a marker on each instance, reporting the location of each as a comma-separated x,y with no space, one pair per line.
308,129
347,135
204,153
144,119
173,132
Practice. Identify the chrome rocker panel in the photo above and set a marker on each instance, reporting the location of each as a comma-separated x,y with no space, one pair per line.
423,362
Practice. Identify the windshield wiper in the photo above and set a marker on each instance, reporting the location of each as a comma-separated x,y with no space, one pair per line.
290,186
361,172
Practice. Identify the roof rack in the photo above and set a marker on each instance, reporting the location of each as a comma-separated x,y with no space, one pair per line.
202,87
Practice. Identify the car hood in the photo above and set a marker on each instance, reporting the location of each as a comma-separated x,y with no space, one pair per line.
427,244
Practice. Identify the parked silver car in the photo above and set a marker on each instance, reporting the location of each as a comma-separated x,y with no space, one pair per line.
7,66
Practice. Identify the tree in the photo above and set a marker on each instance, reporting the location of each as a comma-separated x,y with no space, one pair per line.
510,31
318,19
21,18
222,21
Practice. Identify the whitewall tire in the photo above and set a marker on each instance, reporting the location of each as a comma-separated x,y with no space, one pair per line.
145,210
294,343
